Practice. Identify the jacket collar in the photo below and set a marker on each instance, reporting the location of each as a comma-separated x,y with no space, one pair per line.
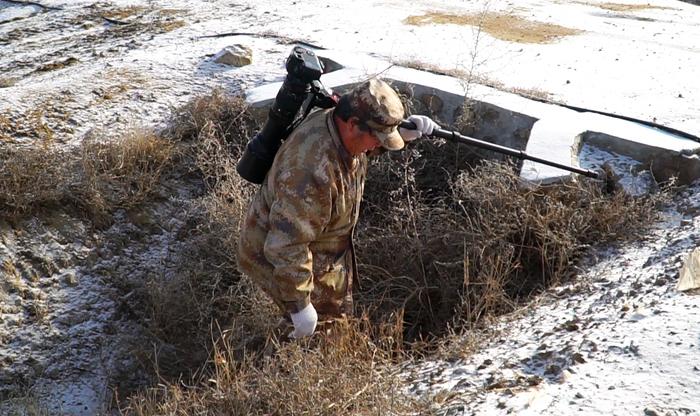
351,162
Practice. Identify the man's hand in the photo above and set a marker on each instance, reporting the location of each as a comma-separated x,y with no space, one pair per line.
304,322
424,126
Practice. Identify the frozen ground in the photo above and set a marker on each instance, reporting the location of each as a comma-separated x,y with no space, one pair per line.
622,341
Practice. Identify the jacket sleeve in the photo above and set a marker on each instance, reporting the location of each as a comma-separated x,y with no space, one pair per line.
299,212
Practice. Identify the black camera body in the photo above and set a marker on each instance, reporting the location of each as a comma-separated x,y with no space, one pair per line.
304,71
304,65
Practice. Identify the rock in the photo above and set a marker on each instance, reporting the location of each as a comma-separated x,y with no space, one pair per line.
71,279
433,103
577,357
661,281
235,55
690,273
7,82
552,370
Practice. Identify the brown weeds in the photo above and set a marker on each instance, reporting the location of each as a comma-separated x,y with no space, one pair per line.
124,13
622,7
98,177
121,174
506,27
209,311
165,26
444,245
59,64
42,124
478,244
337,372
30,177
7,82
209,289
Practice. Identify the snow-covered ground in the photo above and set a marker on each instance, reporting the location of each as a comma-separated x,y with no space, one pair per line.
620,341
625,342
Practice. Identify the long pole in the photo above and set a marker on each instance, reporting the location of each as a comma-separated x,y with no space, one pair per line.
460,138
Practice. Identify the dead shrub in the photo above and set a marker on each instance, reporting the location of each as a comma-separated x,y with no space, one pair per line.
184,311
218,127
97,177
122,173
34,176
450,255
341,371
226,114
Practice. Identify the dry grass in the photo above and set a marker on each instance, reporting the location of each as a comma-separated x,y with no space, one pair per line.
42,124
622,7
448,253
32,177
532,93
442,250
59,64
124,13
444,245
32,124
435,69
97,177
475,78
137,19
172,12
7,82
11,281
122,81
180,311
24,406
506,27
338,372
164,26
110,92
219,327
121,174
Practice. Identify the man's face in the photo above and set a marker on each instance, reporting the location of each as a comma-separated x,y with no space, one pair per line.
363,139
369,141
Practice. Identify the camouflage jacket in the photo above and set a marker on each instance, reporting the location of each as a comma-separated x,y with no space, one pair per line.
299,226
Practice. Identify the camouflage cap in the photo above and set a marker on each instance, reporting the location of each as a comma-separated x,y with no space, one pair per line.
379,106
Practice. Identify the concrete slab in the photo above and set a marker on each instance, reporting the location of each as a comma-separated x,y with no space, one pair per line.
541,129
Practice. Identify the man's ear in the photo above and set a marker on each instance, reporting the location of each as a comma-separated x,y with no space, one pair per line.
354,124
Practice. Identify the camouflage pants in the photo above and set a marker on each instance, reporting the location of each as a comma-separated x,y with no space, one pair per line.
331,295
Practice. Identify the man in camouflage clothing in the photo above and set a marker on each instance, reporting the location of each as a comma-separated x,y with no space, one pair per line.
296,240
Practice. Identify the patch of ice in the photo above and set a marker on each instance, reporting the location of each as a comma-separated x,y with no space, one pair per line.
631,174
11,11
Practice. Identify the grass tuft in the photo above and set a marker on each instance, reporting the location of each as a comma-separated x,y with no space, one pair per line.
123,173
97,177
340,371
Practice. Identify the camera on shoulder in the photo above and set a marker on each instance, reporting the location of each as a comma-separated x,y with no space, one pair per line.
302,83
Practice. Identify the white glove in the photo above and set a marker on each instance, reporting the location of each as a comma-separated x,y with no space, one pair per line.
424,125
304,322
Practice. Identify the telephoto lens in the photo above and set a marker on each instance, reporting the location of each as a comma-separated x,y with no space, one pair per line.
303,68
